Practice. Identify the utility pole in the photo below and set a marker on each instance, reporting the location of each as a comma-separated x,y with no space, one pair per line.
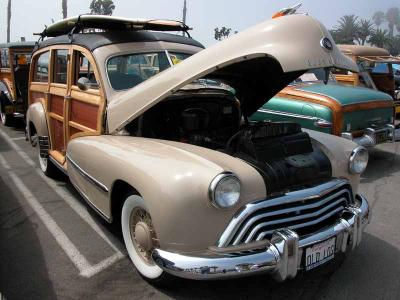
184,15
8,20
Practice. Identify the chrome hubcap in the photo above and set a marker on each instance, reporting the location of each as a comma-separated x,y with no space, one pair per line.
143,235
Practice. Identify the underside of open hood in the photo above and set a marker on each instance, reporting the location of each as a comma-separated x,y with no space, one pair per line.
257,63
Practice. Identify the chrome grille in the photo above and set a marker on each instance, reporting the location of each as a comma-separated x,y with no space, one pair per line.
305,211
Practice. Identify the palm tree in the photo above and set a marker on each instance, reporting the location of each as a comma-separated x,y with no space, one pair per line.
102,7
379,38
64,8
392,16
8,20
379,18
365,30
347,30
393,45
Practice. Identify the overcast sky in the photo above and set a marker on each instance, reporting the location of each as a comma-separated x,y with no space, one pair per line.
30,16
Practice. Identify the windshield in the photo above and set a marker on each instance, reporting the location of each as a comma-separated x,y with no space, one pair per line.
314,75
365,76
127,71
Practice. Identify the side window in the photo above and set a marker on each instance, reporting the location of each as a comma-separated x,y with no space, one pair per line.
41,71
84,69
5,60
60,66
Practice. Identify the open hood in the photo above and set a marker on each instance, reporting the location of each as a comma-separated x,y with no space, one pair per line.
257,63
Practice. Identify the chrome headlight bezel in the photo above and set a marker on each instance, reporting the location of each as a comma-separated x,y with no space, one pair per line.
355,155
215,184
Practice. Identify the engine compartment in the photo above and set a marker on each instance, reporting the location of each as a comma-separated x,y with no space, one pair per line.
280,151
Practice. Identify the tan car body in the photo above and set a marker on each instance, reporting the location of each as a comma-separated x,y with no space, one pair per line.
174,178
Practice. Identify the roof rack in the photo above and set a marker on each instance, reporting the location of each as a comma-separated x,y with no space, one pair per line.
78,23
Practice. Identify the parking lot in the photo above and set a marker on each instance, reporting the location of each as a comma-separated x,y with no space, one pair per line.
53,246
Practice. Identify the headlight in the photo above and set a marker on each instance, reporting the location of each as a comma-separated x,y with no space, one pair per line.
358,160
225,190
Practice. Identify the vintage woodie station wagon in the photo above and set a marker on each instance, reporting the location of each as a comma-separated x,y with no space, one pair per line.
363,115
200,191
376,70
14,75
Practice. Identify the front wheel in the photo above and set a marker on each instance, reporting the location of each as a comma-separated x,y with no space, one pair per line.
140,238
47,167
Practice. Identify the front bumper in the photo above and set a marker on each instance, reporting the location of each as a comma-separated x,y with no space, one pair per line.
282,257
373,137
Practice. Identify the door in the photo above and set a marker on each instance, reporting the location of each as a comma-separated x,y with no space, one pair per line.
86,103
57,101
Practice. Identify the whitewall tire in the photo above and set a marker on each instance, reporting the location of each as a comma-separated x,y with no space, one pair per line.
133,211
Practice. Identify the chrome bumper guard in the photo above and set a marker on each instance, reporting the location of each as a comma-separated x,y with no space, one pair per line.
282,257
369,139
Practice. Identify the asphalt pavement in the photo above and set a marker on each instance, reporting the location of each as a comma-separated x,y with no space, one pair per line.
53,246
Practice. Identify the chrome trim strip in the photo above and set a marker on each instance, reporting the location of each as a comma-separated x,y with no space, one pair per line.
287,114
324,217
254,219
290,197
86,198
90,178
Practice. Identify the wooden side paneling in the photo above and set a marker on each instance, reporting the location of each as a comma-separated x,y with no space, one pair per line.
57,105
37,97
84,113
57,130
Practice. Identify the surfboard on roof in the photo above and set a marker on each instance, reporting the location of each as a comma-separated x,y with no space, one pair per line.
65,26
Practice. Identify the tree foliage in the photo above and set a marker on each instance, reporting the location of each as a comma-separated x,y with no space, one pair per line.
102,7
392,17
351,29
365,30
223,33
64,8
378,18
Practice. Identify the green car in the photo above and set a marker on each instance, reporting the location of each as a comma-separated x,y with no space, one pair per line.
363,115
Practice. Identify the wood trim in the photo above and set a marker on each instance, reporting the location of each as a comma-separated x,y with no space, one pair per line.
368,105
55,116
84,133
58,91
58,156
81,127
337,109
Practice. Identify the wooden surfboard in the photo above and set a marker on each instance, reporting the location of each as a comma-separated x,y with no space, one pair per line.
65,26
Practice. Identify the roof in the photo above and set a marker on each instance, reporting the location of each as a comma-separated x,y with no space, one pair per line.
16,45
78,23
95,40
359,50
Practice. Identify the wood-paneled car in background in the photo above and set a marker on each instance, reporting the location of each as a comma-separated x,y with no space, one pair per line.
14,74
376,70
200,191
363,115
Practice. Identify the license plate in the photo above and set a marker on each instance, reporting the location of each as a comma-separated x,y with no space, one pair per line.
320,253
381,137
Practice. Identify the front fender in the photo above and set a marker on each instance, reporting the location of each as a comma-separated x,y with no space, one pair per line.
173,179
338,151
36,116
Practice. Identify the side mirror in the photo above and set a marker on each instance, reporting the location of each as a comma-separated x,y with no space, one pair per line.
83,83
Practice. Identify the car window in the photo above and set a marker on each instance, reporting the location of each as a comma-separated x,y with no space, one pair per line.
315,75
381,68
5,61
41,71
61,66
83,68
178,57
127,71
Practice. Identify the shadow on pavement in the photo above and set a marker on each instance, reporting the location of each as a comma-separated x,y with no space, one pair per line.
23,272
366,273
382,162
